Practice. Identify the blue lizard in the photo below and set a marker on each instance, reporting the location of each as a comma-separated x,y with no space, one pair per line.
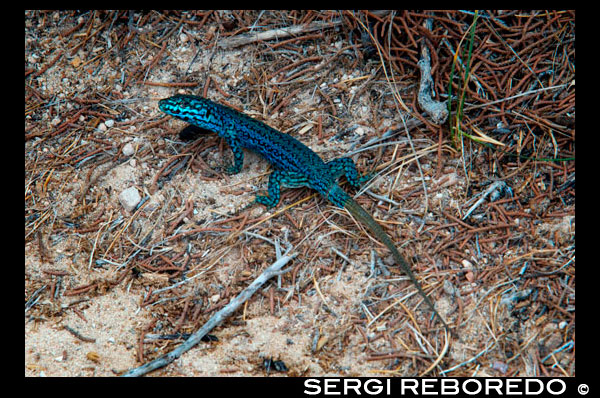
295,165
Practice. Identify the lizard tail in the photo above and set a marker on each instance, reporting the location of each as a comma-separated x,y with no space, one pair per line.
365,218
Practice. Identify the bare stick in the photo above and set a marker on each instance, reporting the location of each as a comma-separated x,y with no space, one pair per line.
214,321
438,111
279,33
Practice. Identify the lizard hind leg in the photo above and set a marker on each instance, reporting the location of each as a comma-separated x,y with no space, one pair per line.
346,167
277,180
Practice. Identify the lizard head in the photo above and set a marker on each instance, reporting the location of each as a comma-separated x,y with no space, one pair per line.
190,108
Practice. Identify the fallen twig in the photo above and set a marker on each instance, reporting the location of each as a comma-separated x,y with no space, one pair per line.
280,33
438,111
214,321
496,190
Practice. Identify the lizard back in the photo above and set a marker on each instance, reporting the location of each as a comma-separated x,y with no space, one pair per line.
282,150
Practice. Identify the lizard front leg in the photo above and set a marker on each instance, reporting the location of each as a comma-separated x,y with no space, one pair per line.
238,156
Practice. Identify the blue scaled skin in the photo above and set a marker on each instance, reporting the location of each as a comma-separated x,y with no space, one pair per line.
295,165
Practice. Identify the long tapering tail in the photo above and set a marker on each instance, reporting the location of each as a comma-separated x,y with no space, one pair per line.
361,214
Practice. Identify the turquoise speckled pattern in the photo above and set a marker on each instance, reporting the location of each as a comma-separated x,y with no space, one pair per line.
295,164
